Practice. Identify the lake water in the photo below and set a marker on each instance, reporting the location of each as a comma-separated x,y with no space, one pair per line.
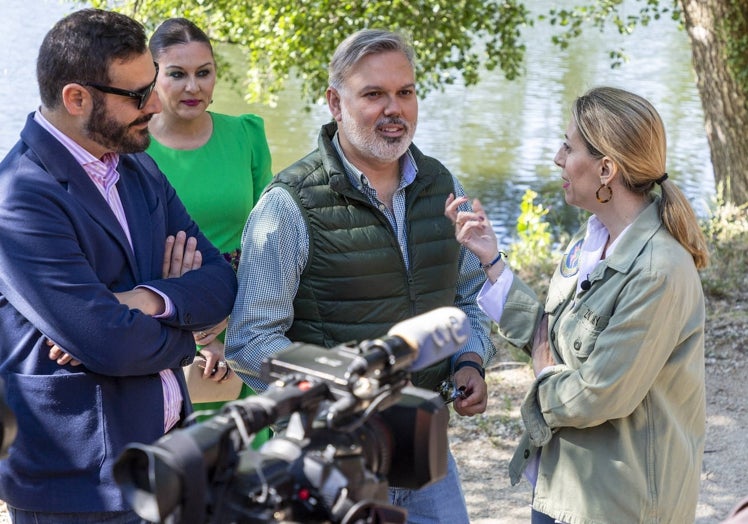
498,137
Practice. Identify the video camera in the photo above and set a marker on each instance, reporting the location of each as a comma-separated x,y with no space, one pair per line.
352,427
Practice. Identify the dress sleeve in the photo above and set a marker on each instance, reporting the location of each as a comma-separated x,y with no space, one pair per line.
261,160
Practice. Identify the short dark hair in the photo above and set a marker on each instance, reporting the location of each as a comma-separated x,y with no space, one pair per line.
176,31
81,47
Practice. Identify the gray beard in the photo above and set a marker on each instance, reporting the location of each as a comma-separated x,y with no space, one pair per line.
381,148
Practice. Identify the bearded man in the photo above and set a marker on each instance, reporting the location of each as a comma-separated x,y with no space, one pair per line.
103,278
352,239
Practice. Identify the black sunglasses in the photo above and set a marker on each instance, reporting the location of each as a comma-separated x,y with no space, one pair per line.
141,96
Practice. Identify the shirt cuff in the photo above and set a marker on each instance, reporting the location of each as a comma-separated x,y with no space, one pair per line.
492,297
168,304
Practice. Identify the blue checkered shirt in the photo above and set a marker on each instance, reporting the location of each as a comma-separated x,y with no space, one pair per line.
275,248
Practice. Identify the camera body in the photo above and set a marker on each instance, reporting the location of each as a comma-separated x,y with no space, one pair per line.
337,475
351,426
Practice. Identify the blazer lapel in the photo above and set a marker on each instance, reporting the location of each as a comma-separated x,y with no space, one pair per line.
61,165
138,218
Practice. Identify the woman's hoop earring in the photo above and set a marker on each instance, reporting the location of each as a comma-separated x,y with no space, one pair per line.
610,194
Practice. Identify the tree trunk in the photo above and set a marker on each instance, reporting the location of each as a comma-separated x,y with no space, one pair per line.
723,97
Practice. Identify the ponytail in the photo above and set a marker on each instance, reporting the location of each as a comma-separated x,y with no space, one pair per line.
680,220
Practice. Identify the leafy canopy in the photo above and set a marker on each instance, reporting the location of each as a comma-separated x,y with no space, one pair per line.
453,39
619,14
278,38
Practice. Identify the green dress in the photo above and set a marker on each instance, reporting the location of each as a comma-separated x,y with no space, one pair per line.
219,184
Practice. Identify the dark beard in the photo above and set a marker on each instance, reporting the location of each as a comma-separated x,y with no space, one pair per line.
106,131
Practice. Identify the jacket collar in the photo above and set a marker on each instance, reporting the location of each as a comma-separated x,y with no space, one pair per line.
60,164
642,229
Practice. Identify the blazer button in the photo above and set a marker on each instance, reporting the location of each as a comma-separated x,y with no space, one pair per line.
527,453
577,344
188,318
185,361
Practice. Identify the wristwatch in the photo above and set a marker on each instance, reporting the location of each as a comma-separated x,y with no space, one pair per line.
471,364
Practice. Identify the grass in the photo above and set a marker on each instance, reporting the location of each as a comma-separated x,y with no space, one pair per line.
727,234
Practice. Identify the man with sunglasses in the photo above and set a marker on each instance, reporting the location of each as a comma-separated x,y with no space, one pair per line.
103,277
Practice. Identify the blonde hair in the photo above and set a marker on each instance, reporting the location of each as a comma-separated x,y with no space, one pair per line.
627,129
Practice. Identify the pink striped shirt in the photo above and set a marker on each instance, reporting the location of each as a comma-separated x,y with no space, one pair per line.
103,173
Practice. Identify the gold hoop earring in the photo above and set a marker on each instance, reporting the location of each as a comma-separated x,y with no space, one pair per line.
610,194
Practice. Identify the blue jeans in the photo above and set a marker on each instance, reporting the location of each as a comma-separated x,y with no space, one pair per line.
542,518
441,502
19,516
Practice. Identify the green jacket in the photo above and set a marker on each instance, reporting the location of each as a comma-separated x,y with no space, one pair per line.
621,418
356,285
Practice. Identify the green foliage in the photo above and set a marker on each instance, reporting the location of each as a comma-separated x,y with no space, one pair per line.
531,255
726,231
533,233
452,38
603,14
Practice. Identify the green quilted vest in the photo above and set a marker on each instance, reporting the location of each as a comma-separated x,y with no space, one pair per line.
355,285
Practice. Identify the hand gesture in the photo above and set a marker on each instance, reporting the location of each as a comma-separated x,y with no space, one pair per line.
60,355
541,349
472,228
206,336
180,256
212,360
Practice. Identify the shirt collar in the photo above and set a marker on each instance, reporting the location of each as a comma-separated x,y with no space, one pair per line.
597,236
103,170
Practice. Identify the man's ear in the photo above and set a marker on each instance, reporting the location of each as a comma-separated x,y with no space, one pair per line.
333,102
76,99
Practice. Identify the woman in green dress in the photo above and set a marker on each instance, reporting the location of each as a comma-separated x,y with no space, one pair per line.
218,164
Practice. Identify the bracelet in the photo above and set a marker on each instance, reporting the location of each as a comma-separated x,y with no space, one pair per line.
494,261
471,364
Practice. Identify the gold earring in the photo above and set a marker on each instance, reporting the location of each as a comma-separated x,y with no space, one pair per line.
610,194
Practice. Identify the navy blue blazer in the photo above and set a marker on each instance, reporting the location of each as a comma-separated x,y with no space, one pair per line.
62,256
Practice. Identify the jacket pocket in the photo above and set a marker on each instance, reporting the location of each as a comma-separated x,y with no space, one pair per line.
578,331
60,424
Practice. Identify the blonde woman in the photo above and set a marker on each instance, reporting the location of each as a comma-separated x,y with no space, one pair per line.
615,419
